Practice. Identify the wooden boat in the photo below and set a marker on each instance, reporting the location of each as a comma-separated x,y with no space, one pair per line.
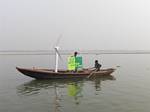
62,74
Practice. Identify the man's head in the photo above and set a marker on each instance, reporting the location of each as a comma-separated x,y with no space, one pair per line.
75,53
96,61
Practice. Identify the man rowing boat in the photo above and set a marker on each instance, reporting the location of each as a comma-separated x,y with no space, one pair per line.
97,65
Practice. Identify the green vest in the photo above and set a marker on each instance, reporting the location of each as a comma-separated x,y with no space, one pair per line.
74,62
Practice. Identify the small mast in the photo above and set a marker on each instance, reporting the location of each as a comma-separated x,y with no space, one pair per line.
56,58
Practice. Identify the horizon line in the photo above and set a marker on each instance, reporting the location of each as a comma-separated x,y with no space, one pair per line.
67,52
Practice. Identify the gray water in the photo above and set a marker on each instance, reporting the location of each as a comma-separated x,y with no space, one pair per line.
127,90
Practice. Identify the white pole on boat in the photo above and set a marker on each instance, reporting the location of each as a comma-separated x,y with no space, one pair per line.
56,58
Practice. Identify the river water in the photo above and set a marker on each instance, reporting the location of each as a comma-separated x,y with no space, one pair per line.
127,90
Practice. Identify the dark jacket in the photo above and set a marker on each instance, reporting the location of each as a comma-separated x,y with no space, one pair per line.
98,66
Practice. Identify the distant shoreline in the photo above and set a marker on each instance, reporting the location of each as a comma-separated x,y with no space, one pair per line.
67,52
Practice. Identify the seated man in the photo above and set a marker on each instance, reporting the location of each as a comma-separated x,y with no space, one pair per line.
97,65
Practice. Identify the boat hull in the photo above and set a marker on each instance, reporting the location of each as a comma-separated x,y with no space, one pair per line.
62,74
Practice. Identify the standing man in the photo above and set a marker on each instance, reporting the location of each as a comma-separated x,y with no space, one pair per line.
74,62
76,66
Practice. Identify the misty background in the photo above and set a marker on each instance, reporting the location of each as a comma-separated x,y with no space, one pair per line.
83,24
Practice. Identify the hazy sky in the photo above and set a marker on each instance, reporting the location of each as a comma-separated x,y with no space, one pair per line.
84,24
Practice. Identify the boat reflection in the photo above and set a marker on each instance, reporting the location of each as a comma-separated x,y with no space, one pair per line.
75,91
98,79
35,86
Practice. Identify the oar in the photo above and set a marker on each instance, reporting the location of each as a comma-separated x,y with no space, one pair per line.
92,73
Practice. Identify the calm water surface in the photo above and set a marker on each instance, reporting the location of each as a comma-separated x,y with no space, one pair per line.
127,90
